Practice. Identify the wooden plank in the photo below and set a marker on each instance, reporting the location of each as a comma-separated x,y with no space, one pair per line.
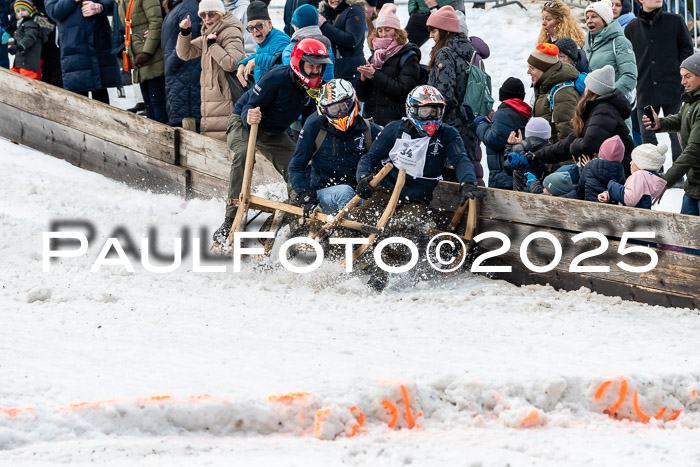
675,273
577,215
205,155
100,156
206,186
89,116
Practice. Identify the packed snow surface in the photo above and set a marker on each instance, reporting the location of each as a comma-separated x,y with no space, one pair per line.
268,367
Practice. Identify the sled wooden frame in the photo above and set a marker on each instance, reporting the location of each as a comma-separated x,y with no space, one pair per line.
388,212
148,155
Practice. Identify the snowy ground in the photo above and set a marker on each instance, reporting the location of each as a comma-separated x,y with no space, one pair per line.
274,368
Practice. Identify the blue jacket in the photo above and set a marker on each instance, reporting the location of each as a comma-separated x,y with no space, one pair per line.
345,27
118,33
335,162
183,94
595,177
87,61
265,54
512,115
281,100
445,144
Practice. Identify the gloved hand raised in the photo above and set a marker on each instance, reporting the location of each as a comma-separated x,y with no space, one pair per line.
308,200
470,191
363,189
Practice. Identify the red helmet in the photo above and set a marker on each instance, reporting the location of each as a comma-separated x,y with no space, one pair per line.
311,51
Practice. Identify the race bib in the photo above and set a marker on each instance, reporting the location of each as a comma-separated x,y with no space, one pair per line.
410,154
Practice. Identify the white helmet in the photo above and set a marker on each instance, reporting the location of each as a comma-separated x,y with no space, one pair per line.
338,103
425,107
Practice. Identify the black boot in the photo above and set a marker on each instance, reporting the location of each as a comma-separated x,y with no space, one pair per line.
139,107
222,233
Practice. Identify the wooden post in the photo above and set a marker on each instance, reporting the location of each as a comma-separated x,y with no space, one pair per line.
244,196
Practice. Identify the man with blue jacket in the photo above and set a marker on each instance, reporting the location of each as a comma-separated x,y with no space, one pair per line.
420,144
8,23
322,170
271,42
274,103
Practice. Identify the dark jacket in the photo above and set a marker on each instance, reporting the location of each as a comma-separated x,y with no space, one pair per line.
335,162
28,41
511,115
445,144
50,54
595,177
687,123
582,62
385,94
281,100
529,144
8,21
345,27
87,61
603,117
661,41
449,76
289,8
181,77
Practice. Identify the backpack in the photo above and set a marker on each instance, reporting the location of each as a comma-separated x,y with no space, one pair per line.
478,95
555,89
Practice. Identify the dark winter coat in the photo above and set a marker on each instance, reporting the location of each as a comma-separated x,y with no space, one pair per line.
385,94
281,100
511,115
582,62
28,40
181,77
660,45
449,75
595,177
50,54
8,21
289,7
87,61
345,27
687,123
444,145
529,144
118,33
603,117
335,162
565,99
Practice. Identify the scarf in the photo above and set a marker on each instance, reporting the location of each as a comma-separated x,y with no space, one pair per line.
383,49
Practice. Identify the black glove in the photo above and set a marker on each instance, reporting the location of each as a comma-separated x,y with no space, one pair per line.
211,41
308,200
142,58
185,31
13,49
363,189
470,191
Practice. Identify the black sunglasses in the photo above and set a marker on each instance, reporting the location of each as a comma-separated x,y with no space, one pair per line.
257,27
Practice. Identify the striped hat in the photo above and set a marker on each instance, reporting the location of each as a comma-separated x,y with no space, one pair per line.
544,56
24,4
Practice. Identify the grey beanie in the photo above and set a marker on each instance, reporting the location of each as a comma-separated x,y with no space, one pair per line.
692,64
538,127
601,81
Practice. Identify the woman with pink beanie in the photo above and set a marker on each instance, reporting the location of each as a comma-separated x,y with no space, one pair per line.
391,72
448,67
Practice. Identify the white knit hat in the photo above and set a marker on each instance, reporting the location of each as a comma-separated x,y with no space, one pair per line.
649,156
601,81
211,5
603,8
539,127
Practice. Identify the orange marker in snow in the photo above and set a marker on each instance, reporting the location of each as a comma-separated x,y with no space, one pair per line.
407,407
529,419
601,390
388,405
621,399
642,416
675,415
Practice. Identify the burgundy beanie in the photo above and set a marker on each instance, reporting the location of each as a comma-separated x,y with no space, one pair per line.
445,18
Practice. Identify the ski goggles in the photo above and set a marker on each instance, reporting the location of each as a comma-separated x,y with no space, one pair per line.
338,109
428,112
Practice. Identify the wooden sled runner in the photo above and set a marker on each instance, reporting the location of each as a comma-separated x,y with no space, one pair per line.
151,156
